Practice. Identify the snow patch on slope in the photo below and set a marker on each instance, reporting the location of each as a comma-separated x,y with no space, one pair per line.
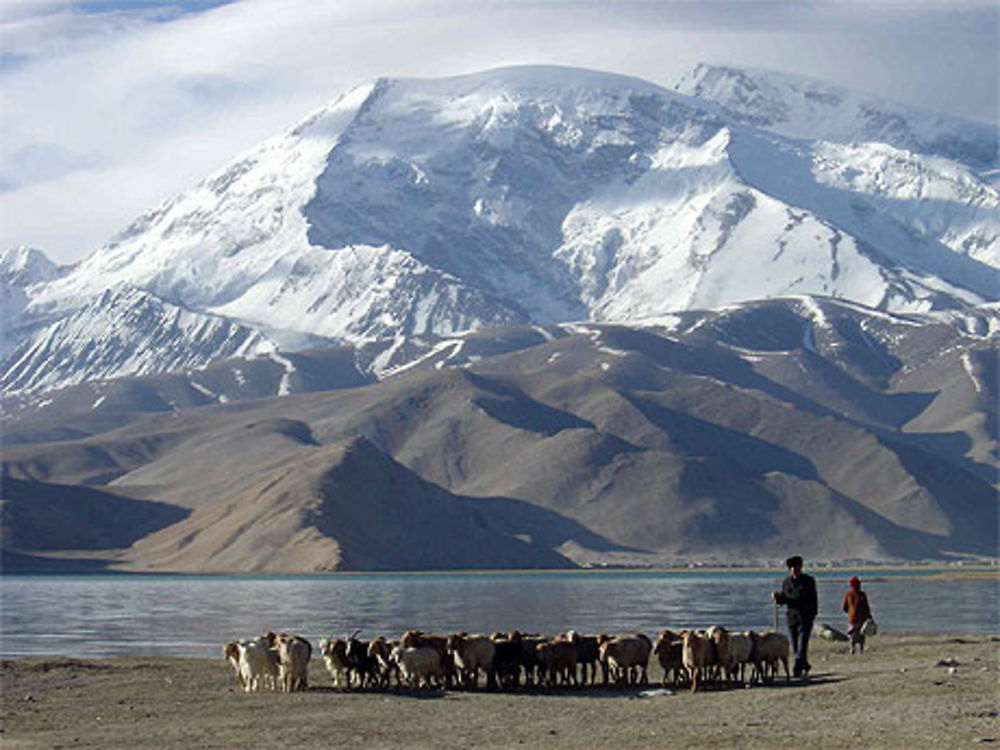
970,371
288,370
936,198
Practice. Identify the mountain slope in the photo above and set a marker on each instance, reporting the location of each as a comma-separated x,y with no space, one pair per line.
727,436
532,316
125,331
345,507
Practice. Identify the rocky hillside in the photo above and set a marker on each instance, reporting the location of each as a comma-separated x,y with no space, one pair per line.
726,436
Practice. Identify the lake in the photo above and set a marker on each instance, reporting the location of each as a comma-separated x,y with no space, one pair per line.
107,615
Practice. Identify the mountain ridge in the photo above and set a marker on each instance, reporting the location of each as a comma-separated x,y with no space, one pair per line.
718,436
413,207
799,106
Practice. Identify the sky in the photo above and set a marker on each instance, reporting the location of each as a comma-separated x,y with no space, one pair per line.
108,107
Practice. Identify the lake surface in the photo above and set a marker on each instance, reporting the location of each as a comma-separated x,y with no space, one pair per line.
99,616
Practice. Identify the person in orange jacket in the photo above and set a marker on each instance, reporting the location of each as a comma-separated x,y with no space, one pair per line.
857,609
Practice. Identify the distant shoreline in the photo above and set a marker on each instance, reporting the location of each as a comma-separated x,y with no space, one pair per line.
916,571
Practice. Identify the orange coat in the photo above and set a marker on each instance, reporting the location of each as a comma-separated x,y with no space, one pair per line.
856,607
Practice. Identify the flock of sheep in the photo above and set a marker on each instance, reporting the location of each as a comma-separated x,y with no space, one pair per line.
507,660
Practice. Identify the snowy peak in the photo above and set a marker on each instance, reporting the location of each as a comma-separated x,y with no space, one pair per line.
125,331
207,246
23,266
801,107
535,195
475,175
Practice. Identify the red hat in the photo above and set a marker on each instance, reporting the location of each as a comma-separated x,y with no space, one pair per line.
855,582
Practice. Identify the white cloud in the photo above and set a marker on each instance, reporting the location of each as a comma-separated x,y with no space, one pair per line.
106,108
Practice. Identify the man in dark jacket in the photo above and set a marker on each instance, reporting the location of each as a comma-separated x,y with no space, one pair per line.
798,594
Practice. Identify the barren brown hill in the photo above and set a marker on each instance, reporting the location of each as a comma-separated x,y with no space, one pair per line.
340,507
724,437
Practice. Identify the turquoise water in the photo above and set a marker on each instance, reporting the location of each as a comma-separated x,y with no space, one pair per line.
97,616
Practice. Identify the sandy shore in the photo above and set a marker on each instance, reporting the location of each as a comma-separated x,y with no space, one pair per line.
907,691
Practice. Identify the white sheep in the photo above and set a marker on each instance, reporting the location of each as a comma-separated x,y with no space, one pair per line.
697,655
257,664
420,666
294,654
719,637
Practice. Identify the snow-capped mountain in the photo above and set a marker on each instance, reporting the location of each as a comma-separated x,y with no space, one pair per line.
530,195
799,107
126,330
20,269
24,266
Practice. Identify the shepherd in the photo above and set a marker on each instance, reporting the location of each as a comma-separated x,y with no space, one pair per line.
798,594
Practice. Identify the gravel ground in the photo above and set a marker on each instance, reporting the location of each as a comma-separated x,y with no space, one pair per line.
907,691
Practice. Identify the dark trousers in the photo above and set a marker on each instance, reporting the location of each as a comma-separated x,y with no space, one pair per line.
800,630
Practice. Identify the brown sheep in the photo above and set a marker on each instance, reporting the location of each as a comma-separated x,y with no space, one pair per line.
530,665
626,658
381,650
507,658
334,651
722,667
557,660
669,650
697,655
588,654
769,649
231,653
